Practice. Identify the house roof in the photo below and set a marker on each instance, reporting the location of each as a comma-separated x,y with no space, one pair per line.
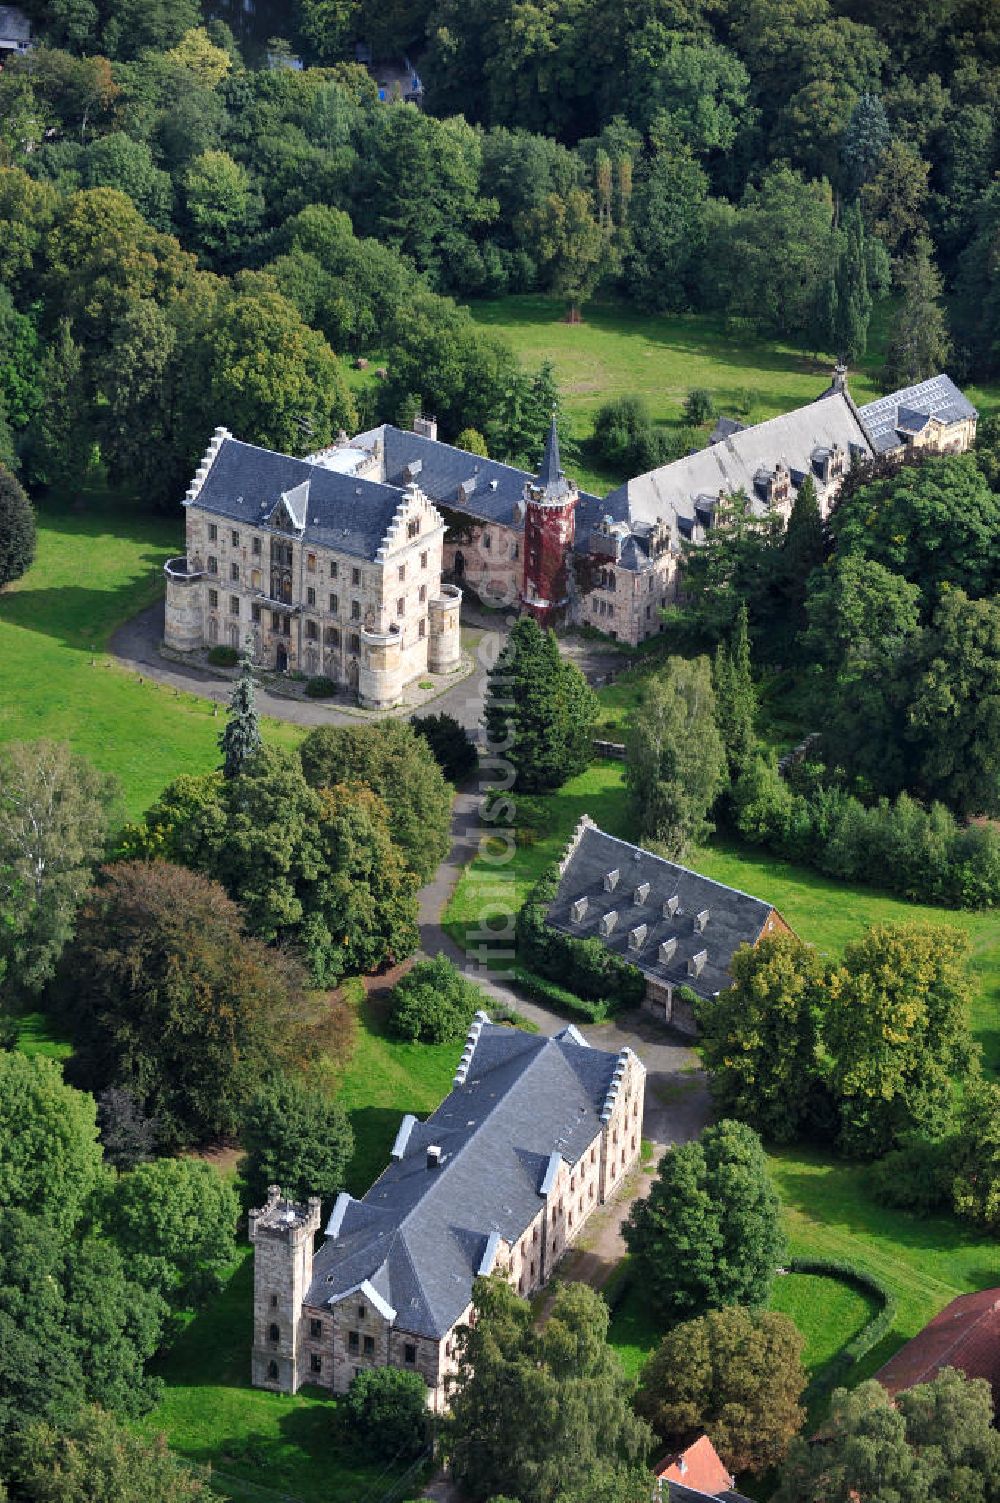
246,483
706,922
14,24
486,489
700,1468
725,427
909,410
731,464
965,1334
421,1234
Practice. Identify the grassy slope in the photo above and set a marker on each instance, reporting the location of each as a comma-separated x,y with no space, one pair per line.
96,568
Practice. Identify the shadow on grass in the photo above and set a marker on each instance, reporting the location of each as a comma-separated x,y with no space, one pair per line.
78,617
375,1129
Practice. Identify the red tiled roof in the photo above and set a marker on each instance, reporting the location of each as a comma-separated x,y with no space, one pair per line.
966,1335
699,1467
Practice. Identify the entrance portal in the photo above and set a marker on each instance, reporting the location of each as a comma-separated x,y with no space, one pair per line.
281,658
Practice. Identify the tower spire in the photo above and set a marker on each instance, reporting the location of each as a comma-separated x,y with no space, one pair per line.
551,479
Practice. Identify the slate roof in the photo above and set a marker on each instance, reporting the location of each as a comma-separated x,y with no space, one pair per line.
420,1234
733,917
484,488
965,1334
245,483
731,464
14,24
909,409
725,427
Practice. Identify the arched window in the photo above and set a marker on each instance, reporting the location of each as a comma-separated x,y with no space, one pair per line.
272,1372
273,1334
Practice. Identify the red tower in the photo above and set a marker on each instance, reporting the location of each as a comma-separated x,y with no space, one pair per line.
549,530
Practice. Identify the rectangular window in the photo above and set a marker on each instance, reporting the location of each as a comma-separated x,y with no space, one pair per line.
353,1341
401,606
255,547
487,540
402,572
236,538
310,596
355,576
333,569
355,610
362,1312
275,621
315,1362
413,528
423,561
331,637
255,613
234,572
312,631
354,642
421,627
274,1302
213,533
409,1353
311,563
213,564
213,599
286,625
423,593
369,1346
334,605
234,605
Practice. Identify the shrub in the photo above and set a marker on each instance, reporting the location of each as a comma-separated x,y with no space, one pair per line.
558,997
453,749
433,1002
699,406
223,657
387,1410
320,687
17,529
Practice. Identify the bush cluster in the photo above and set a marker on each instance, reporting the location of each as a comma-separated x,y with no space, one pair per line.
433,1003
223,657
837,1371
449,741
924,855
625,437
553,995
581,966
320,687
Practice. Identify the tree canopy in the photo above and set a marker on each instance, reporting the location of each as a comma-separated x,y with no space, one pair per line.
539,709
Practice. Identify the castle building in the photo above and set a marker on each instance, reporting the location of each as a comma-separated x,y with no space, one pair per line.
535,1134
327,572
679,928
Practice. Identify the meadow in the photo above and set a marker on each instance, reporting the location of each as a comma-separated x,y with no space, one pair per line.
100,562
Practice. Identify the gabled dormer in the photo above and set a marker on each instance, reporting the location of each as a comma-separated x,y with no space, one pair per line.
289,512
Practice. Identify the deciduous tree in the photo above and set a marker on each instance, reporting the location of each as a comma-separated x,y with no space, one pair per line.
295,1136
91,1455
675,758
709,1233
735,1375
50,1159
175,1221
387,1411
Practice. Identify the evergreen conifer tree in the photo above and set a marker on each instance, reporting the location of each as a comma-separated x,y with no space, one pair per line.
865,142
801,553
853,306
735,696
17,529
240,739
539,709
920,345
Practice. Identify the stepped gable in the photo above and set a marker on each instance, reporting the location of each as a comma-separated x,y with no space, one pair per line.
246,483
652,903
421,1233
909,410
734,462
484,488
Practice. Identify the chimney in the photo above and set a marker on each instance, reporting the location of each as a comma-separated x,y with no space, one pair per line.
426,427
839,382
434,1156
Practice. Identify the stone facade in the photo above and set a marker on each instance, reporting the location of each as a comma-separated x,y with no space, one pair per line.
303,1336
371,621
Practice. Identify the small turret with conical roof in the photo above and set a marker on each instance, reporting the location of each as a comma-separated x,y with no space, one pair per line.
549,530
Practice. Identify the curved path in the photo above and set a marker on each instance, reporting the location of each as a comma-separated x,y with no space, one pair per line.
137,646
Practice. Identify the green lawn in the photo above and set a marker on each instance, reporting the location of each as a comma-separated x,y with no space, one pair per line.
827,1312
96,567
211,1415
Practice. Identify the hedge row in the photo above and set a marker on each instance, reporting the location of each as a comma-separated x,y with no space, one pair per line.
543,990
838,1368
586,967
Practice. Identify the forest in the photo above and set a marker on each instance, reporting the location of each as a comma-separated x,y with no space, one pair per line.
280,221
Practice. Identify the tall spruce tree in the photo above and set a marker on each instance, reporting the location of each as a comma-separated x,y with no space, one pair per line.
853,306
865,142
240,739
801,552
920,344
17,529
735,696
539,710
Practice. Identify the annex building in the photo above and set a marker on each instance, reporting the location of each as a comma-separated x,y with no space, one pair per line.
679,928
328,573
539,543
534,1135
